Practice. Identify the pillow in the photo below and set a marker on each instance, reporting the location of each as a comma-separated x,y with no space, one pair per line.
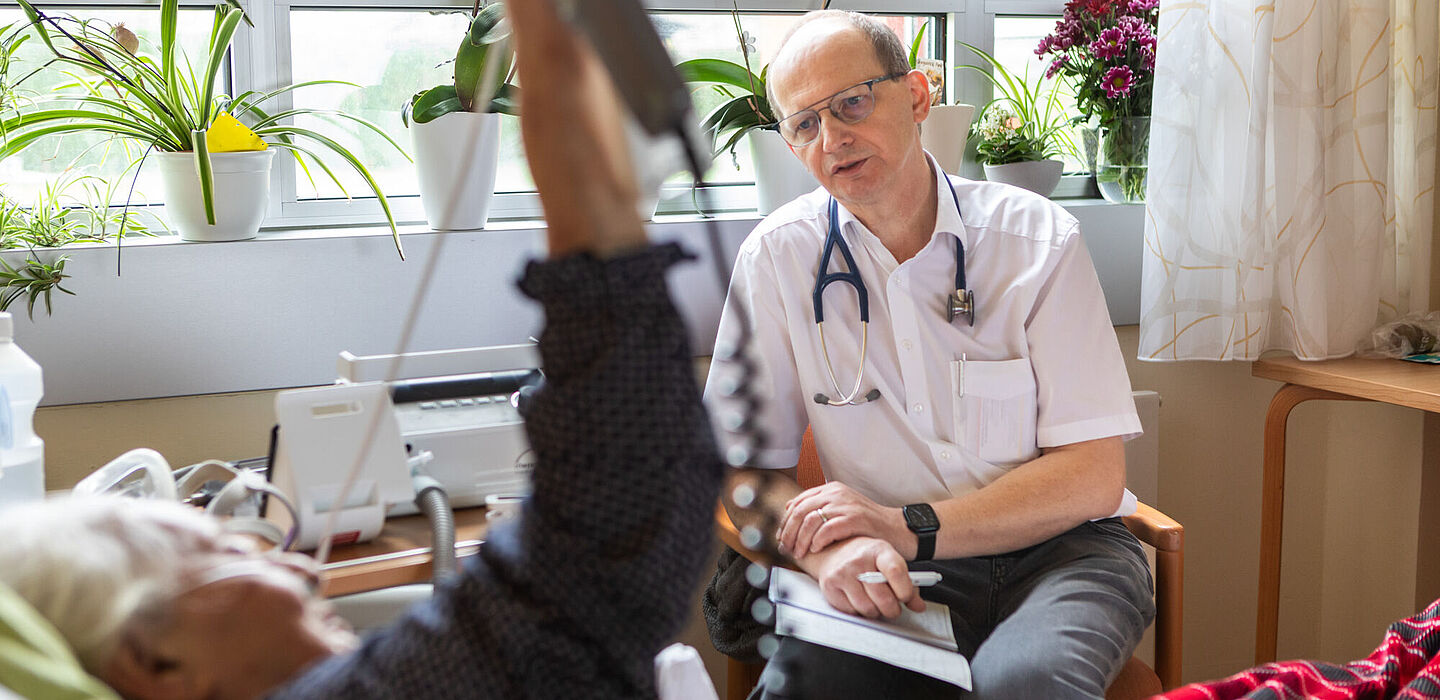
35,662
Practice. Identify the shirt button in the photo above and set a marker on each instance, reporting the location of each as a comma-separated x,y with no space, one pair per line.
906,344
944,455
918,408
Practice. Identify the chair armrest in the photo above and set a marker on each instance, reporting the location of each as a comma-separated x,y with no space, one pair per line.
1156,529
725,527
730,535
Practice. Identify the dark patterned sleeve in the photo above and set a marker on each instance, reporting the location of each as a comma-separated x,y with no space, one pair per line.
576,597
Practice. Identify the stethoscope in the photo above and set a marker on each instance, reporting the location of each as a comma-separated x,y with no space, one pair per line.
960,302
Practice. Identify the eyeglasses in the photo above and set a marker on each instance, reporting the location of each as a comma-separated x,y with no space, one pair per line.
850,105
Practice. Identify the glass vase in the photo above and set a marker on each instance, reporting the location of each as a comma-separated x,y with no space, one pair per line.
1123,160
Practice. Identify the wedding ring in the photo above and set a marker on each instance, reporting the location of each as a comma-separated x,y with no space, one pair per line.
823,518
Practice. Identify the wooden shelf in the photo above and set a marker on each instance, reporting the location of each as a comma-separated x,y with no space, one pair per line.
399,556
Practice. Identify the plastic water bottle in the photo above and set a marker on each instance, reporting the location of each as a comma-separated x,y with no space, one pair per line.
22,453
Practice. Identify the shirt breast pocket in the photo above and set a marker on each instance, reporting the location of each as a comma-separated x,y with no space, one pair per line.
995,409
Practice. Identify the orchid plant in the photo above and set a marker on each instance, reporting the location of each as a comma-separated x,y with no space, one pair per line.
484,48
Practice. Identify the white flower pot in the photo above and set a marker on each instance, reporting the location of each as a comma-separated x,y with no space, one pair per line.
944,134
1038,176
455,158
241,194
779,175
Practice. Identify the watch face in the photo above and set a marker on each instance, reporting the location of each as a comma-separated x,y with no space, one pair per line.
921,518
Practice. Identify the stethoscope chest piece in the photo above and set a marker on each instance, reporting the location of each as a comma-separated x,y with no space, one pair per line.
961,304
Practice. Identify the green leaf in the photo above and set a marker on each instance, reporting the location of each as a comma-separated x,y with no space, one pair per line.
487,29
207,175
226,24
714,70
915,45
359,168
169,23
507,101
434,103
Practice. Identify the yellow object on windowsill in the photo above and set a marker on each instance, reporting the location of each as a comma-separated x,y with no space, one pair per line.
226,134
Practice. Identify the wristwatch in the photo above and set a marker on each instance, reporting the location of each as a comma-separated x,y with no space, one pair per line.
921,520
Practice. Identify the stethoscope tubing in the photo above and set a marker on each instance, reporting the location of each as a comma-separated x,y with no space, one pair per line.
851,276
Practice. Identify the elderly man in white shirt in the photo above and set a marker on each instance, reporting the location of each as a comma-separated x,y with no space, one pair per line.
986,448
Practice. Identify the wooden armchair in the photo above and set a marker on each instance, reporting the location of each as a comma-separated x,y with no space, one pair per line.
1136,679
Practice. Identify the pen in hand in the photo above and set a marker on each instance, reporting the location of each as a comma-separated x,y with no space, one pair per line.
918,578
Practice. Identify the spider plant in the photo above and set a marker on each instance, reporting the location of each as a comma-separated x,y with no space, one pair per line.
57,218
162,102
1024,121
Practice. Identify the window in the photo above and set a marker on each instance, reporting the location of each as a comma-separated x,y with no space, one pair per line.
391,49
25,175
1015,42
1011,29
413,53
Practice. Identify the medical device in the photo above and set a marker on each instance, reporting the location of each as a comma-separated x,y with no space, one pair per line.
461,407
223,488
959,303
323,433
450,417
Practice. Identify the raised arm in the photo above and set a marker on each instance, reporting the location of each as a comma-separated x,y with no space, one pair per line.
576,597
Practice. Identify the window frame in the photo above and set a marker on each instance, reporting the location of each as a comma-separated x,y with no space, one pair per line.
261,61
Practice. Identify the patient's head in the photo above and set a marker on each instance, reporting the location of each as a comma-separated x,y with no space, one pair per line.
158,602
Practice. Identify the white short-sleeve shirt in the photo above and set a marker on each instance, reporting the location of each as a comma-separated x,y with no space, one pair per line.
959,405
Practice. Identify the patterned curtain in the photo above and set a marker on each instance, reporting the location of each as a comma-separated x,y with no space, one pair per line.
1292,175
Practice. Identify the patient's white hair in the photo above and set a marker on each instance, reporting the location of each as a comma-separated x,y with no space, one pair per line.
93,565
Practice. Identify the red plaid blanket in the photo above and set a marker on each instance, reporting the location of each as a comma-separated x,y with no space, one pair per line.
1406,665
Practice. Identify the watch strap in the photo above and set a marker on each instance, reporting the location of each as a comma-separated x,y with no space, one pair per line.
925,547
920,518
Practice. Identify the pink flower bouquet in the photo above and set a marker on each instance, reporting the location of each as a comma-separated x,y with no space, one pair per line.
1106,49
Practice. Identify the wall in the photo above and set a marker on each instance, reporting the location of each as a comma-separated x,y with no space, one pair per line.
1351,506
186,430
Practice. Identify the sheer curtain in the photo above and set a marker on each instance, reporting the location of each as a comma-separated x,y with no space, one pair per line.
1292,174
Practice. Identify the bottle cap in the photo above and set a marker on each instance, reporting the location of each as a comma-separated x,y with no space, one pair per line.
7,326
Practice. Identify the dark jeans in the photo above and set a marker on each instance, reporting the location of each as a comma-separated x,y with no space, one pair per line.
1056,620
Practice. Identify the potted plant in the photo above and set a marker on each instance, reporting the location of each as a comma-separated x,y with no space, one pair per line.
779,175
1106,50
1021,130
57,218
456,129
162,104
947,128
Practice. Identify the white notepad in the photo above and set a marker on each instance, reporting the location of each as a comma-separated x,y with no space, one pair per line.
921,642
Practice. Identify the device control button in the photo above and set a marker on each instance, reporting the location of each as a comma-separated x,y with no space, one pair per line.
449,403
467,402
427,405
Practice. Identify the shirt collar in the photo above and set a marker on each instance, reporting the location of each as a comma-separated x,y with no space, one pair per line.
948,217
